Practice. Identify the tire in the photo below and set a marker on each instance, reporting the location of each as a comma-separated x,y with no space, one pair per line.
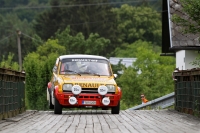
57,107
51,106
116,109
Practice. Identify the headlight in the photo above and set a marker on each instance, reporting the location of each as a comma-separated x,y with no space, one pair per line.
111,88
67,87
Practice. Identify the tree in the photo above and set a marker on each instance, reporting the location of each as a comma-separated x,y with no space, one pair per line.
117,69
192,10
196,62
87,17
150,74
38,67
17,7
8,26
134,23
118,3
94,44
130,50
51,46
82,16
9,63
48,22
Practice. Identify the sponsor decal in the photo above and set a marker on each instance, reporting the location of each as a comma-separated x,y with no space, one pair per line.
106,101
88,85
76,89
72,100
88,79
102,90
84,60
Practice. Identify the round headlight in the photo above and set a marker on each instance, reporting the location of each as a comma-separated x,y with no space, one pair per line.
102,90
111,88
76,89
67,87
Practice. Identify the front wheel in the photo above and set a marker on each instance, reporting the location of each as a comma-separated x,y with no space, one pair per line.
115,110
57,107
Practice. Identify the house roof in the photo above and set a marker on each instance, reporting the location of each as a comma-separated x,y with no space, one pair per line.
172,37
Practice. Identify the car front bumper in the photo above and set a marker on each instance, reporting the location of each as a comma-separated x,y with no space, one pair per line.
91,99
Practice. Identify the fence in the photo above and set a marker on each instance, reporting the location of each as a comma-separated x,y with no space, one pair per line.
12,93
187,91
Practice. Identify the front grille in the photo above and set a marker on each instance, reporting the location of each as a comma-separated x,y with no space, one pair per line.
87,90
91,90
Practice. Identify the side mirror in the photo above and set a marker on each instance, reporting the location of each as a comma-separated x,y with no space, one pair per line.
54,69
115,75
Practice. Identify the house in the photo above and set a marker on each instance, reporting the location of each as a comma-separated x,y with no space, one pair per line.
185,47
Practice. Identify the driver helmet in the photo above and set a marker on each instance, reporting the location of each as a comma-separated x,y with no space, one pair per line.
81,66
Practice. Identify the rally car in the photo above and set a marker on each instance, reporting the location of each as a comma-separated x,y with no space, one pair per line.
83,81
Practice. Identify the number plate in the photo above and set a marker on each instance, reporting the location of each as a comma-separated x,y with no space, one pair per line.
89,102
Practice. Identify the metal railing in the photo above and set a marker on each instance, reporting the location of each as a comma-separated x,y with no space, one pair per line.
159,103
187,91
12,93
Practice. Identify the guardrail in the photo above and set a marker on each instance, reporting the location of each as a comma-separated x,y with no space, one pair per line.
159,103
12,93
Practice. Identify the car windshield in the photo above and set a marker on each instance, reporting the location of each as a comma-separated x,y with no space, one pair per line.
81,66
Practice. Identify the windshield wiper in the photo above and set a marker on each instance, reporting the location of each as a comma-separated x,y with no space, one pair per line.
71,71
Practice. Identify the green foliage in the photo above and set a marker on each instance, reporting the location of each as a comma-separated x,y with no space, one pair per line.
96,29
191,24
32,67
85,19
9,63
150,74
78,44
117,69
38,67
196,62
134,23
131,87
130,50
17,7
9,23
51,46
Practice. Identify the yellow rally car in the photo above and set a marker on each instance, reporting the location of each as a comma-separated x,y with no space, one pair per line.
83,81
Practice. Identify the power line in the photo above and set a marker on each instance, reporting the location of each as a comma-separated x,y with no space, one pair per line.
77,5
22,34
112,21
104,21
6,37
29,37
94,22
91,22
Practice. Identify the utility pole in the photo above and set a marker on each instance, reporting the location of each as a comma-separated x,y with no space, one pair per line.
19,50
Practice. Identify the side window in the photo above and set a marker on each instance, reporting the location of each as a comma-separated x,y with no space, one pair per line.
55,68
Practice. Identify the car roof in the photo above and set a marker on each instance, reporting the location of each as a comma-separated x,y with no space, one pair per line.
81,56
